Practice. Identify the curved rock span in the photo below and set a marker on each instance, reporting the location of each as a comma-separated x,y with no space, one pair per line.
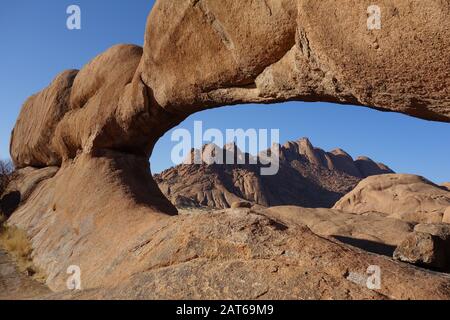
204,54
103,211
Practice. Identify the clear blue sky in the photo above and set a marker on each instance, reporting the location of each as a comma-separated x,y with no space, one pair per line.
36,45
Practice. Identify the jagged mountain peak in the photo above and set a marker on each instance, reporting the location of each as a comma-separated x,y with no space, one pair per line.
308,176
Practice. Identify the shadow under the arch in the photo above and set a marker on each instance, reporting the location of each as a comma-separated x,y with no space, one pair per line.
368,245
10,202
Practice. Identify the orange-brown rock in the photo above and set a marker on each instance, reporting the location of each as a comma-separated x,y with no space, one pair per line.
214,53
406,197
23,183
96,120
370,232
307,177
446,218
201,54
428,246
238,254
37,122
210,53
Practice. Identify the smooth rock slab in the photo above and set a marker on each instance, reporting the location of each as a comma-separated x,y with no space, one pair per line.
403,196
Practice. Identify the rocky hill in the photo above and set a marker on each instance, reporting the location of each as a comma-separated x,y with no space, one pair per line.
307,177
102,211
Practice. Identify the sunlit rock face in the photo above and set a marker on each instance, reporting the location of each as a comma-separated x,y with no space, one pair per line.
203,53
401,196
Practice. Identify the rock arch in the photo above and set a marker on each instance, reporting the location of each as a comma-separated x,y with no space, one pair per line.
203,54
99,125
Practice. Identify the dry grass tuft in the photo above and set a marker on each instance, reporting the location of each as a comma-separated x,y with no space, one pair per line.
16,243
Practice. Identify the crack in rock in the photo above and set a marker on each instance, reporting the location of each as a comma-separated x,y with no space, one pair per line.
215,24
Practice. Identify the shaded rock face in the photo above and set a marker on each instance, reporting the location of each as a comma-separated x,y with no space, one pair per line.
308,177
6,170
370,232
9,203
406,197
102,207
428,246
23,183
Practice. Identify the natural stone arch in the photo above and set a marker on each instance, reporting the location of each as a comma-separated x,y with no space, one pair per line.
206,53
98,126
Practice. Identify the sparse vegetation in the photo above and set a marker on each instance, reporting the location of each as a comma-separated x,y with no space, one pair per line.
12,239
6,169
2,218
16,243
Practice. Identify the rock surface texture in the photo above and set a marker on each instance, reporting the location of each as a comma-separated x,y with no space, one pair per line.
243,254
428,245
22,185
370,232
407,197
103,211
15,285
271,51
446,218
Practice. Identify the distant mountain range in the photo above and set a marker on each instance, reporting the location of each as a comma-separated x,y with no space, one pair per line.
307,177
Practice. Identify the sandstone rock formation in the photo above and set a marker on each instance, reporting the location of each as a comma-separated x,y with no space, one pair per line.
406,197
446,218
241,204
103,211
441,230
240,254
22,185
36,125
370,232
428,246
269,51
307,176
